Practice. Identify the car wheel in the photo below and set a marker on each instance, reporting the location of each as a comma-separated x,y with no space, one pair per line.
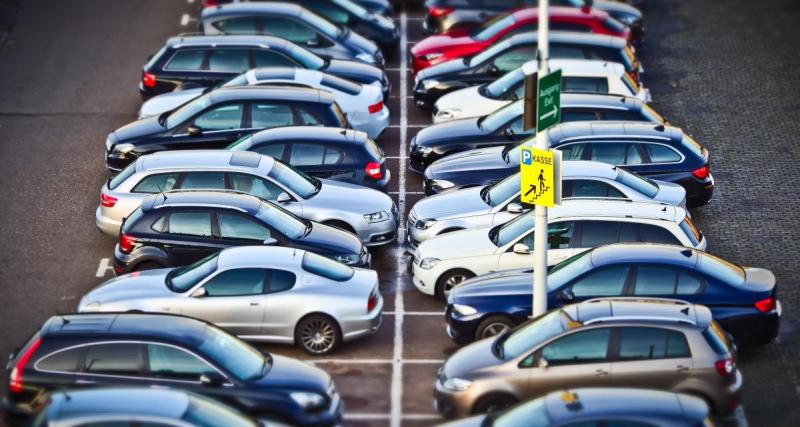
493,403
449,280
493,325
317,334
147,265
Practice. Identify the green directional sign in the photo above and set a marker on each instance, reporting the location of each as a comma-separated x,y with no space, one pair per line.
548,111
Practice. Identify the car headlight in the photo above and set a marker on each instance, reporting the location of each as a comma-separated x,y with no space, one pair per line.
448,114
457,384
348,259
443,184
123,148
365,57
464,310
308,400
377,217
428,263
109,143
424,224
431,56
423,150
430,84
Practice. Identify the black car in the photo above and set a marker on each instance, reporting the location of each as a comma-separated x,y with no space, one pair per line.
178,228
220,117
324,152
504,126
448,15
203,61
655,151
510,54
381,7
742,299
85,351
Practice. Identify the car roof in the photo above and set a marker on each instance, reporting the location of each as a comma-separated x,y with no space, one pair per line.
310,133
277,92
561,11
143,326
199,198
587,67
639,309
596,100
589,168
141,401
645,253
266,73
226,39
199,159
598,402
569,37
272,256
238,8
617,208
598,130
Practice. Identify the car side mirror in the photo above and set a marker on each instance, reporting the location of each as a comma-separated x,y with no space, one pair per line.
567,295
508,133
270,241
194,131
514,208
283,198
494,70
199,293
522,249
313,42
542,362
211,379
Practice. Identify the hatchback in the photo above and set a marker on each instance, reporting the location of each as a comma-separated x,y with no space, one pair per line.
220,117
323,152
267,294
657,344
742,299
87,351
179,228
293,23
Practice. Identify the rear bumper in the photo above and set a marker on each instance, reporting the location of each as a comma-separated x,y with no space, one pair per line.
756,328
373,125
361,327
107,225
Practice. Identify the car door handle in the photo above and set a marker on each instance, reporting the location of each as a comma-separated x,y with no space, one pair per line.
254,303
600,373
681,368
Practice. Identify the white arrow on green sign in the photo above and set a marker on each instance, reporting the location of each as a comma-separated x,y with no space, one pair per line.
548,111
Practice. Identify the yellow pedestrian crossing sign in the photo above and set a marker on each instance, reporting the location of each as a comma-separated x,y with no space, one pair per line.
540,174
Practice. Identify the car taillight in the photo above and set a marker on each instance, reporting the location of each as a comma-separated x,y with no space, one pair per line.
148,80
107,200
766,304
15,381
373,170
725,367
701,173
372,302
126,243
439,12
375,108
209,3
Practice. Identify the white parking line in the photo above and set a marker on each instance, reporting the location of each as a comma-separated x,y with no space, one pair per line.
416,313
367,416
102,269
409,126
407,192
374,361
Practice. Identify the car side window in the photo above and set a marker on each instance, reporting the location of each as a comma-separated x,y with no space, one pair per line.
514,58
236,282
655,281
156,183
598,233
61,361
590,346
573,151
203,181
334,156
688,284
288,29
173,363
237,227
559,236
662,154
593,188
264,116
309,116
621,115
561,51
517,127
229,60
190,224
266,58
607,282
654,234
221,118
188,60
570,26
255,186
584,84
113,359
637,343
613,153
280,280
307,154
272,150
577,115
240,25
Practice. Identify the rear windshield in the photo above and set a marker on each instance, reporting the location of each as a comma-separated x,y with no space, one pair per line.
723,270
132,219
341,84
153,59
182,279
375,152
241,144
326,267
307,58
651,114
692,145
717,338
691,231
121,177
501,87
639,183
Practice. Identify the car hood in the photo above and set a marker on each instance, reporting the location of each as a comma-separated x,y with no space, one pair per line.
474,357
168,101
438,43
758,279
503,283
442,69
356,71
470,161
138,285
139,128
671,193
360,43
360,200
326,240
454,204
458,244
450,130
469,102
292,374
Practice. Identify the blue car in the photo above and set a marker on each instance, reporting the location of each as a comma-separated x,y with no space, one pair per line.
742,299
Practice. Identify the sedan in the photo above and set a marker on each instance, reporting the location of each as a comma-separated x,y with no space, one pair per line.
267,294
742,299
362,104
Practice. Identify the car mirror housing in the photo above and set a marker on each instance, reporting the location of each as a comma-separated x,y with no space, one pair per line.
567,295
194,131
284,198
211,379
270,241
522,249
199,293
314,42
542,363
514,208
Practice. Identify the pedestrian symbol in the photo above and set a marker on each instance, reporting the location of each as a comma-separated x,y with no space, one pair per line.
539,176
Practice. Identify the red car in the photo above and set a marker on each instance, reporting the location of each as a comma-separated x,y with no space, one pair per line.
459,43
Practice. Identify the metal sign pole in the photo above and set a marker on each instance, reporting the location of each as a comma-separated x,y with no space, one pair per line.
540,227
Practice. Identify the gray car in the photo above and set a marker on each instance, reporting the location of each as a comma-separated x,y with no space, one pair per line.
367,213
269,294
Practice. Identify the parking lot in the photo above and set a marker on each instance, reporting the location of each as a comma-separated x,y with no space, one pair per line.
724,71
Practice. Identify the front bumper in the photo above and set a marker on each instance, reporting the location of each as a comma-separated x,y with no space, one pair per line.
380,233
461,329
424,280
107,225
451,404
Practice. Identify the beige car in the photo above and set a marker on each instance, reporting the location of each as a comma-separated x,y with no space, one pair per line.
621,342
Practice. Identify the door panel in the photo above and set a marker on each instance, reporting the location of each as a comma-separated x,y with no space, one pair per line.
651,358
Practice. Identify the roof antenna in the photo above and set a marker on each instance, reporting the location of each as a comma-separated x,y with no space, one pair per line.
64,320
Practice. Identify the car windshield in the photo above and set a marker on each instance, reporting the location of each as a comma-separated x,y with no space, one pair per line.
300,183
723,270
530,414
121,177
487,54
499,88
502,116
284,221
491,28
185,278
511,152
188,111
323,25
237,357
240,80
568,269
508,232
326,267
531,334
204,412
501,191
242,144
305,57
354,8
646,186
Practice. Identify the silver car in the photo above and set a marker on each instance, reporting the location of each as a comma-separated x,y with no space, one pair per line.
497,203
269,294
367,213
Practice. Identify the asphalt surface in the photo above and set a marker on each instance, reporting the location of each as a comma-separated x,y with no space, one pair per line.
724,71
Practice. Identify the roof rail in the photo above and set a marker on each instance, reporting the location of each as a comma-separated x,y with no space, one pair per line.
641,299
191,34
645,317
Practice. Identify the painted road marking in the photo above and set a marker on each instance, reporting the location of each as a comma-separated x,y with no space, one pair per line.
102,269
186,19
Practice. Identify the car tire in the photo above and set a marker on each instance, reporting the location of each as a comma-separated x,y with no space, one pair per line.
493,325
318,334
147,265
493,403
450,279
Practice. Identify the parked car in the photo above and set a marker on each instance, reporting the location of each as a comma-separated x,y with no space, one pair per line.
577,76
123,406
179,228
446,260
369,214
478,207
655,151
266,294
507,55
362,104
203,61
742,299
220,117
597,406
382,7
91,351
448,15
332,153
659,344
293,23
457,44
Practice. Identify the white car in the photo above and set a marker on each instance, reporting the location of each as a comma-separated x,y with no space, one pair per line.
575,226
578,76
363,104
485,206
